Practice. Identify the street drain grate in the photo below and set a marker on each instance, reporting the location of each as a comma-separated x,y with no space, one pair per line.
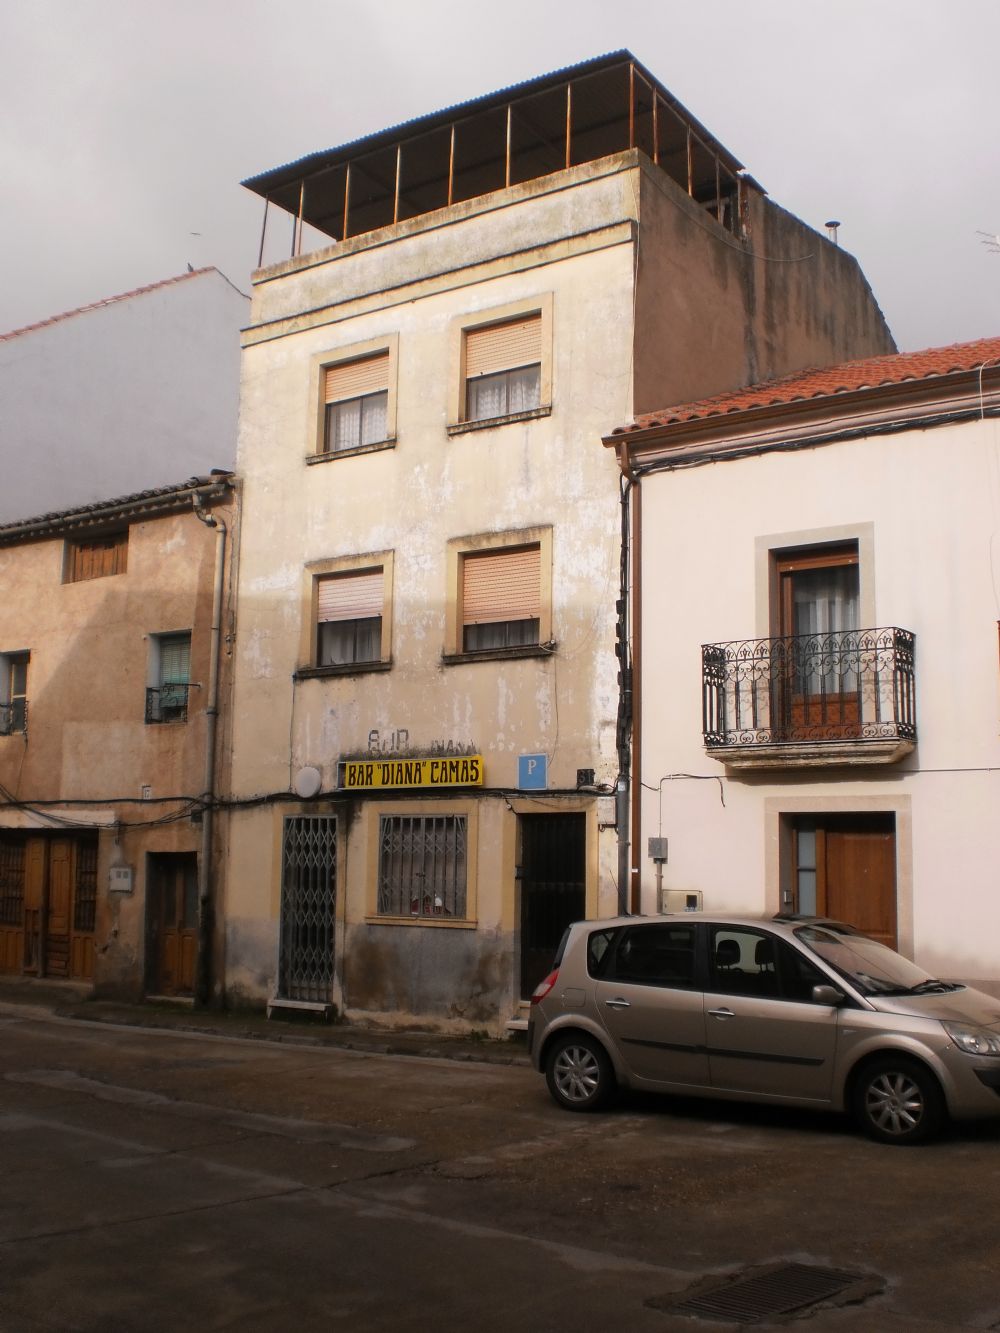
770,1293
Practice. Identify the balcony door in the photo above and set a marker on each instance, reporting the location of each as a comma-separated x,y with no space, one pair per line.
818,599
844,867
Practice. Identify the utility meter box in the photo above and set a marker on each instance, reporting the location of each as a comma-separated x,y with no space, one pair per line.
680,900
658,849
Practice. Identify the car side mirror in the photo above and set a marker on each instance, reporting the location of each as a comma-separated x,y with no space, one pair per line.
828,995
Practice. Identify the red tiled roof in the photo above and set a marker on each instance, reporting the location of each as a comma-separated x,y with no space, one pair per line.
108,300
825,381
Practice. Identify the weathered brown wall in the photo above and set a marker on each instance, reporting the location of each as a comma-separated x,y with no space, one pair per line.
713,313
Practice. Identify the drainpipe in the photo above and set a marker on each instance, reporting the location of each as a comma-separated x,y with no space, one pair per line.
624,726
206,905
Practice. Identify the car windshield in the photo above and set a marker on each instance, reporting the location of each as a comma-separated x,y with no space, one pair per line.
873,968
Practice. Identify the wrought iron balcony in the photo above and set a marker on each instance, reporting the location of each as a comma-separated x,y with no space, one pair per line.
815,698
167,703
13,717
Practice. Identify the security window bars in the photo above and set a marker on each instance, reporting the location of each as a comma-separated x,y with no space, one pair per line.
85,897
501,598
503,370
356,394
11,882
13,693
422,866
167,701
97,557
308,900
349,618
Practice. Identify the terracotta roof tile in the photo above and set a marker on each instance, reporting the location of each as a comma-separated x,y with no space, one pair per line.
826,381
108,300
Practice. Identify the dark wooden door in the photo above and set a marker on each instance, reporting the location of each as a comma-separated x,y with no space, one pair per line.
553,888
60,905
173,907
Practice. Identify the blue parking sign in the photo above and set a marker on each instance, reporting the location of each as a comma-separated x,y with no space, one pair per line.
532,772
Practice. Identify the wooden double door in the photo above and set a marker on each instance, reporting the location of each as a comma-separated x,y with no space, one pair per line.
48,905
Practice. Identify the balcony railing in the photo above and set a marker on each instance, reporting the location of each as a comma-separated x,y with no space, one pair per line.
853,688
167,703
13,717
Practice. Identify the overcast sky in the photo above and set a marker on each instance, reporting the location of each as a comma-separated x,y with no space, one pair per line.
127,125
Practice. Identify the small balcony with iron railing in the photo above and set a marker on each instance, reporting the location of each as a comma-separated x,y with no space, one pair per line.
167,703
838,698
13,717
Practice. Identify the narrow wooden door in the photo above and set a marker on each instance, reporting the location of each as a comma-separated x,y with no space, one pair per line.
12,859
57,931
173,907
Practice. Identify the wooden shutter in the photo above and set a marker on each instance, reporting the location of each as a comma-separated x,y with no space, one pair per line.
503,346
501,585
350,596
353,379
98,558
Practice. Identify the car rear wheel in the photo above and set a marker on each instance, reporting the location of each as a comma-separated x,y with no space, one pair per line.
579,1073
897,1100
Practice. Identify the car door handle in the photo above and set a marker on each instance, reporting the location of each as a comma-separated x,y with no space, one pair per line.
721,1013
618,1004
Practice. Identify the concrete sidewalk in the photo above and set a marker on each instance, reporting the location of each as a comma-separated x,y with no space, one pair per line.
72,1000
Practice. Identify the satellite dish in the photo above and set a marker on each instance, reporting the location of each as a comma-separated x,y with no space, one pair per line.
308,782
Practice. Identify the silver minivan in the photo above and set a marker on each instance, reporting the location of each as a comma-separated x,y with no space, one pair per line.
795,1011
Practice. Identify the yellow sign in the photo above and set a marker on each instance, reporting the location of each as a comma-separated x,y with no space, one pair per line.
448,771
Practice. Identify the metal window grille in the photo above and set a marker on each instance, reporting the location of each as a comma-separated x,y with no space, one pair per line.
85,896
308,899
422,866
11,883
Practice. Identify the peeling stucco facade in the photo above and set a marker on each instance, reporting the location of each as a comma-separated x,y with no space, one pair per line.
644,297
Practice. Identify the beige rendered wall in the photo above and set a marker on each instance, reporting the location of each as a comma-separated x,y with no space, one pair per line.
87,740
713,313
571,251
924,504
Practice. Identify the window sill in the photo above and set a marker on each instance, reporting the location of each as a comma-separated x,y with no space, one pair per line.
438,922
165,721
330,455
812,754
348,669
500,654
461,427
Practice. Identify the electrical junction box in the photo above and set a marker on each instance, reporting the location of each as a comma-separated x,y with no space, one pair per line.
120,879
680,900
658,849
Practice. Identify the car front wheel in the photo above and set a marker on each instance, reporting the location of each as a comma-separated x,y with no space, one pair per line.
579,1073
897,1100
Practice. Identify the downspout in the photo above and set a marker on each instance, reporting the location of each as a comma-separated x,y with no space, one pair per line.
624,721
635,883
206,904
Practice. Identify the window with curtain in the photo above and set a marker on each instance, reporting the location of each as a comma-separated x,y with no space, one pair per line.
819,600
349,618
356,394
501,598
503,368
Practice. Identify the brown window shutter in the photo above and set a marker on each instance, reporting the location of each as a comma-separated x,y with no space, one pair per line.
501,585
352,379
350,596
503,346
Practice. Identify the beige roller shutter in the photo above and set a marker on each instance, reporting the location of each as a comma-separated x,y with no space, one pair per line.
503,346
350,596
352,379
501,585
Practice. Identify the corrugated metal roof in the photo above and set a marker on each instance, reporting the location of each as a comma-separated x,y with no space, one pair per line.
317,161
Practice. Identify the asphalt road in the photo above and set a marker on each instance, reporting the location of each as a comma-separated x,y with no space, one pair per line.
157,1181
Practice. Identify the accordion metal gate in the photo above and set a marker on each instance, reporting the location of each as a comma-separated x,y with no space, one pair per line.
308,902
